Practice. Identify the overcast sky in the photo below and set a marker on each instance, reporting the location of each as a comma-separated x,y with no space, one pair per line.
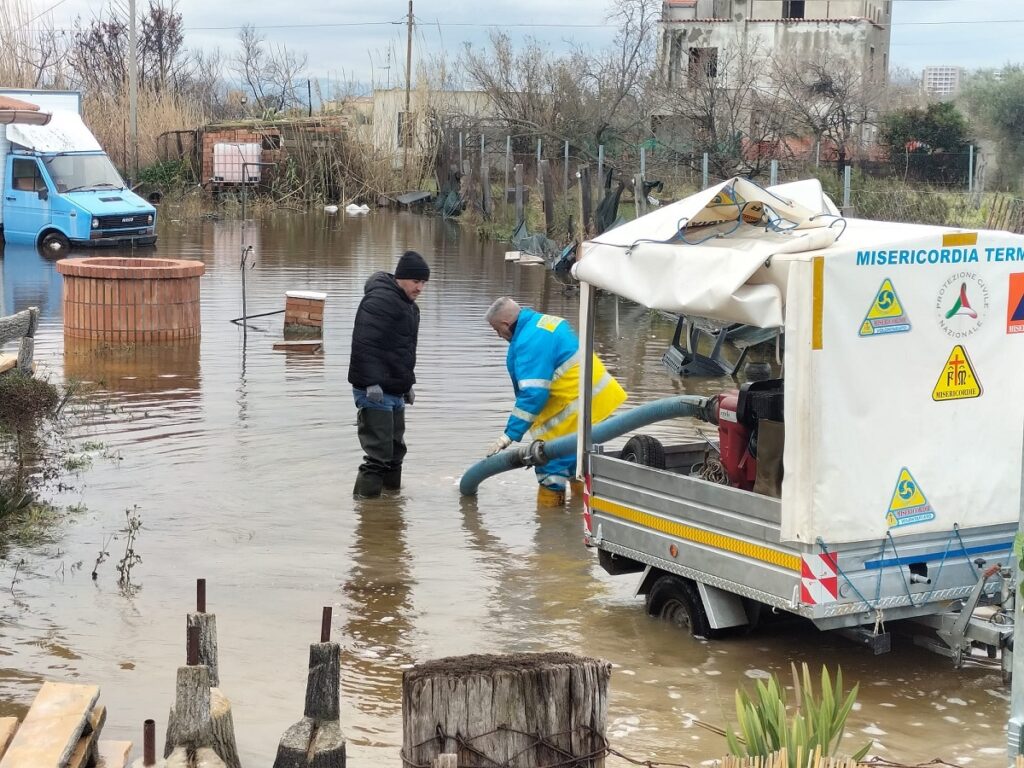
968,33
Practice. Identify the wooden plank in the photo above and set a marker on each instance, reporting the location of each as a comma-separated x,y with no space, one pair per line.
86,747
8,725
113,754
52,727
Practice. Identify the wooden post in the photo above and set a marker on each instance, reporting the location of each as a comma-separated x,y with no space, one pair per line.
470,194
565,172
519,711
205,624
638,196
586,203
508,165
549,198
447,760
316,740
520,212
485,184
190,724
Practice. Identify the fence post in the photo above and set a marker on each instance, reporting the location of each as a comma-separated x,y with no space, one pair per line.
549,198
565,172
600,167
643,162
704,172
508,165
585,202
520,213
540,146
817,153
970,169
460,151
773,176
847,171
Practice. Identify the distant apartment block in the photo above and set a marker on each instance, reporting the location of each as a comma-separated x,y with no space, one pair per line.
943,82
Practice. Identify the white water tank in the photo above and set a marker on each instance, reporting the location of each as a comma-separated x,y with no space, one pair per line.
236,163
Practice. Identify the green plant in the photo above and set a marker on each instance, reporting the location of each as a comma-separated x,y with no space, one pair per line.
815,725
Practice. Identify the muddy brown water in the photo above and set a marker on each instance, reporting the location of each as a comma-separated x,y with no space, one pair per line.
241,461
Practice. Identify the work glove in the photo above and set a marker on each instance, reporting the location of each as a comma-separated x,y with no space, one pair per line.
499,445
410,396
375,393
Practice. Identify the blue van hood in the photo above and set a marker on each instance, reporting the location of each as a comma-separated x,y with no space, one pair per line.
106,202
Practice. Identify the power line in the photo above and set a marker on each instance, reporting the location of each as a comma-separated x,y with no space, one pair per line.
40,15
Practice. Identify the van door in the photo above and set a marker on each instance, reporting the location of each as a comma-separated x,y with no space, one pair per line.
26,199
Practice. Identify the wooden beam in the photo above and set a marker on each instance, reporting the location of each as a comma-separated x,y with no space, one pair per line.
53,726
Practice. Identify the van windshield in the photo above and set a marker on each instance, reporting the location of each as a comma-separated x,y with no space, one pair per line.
74,172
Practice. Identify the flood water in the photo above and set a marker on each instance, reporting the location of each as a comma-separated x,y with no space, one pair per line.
241,459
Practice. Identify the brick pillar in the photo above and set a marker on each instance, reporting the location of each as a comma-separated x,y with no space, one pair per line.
304,311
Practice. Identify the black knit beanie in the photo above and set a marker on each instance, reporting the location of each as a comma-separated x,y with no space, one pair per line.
412,266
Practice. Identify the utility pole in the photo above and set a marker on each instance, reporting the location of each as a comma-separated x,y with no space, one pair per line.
407,124
133,93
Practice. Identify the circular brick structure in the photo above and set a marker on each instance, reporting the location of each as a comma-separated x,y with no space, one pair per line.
131,301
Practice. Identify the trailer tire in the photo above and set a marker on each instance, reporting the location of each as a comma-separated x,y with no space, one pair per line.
676,600
644,449
54,243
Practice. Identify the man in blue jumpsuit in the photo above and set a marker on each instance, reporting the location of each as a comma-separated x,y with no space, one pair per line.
544,364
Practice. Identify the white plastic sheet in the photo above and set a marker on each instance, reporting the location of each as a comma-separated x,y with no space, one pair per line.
64,133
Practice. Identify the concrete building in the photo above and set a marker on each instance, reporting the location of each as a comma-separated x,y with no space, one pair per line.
943,81
380,119
695,34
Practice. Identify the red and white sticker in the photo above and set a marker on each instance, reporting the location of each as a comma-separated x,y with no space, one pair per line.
819,579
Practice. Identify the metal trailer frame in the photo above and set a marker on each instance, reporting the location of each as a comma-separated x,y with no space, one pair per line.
728,542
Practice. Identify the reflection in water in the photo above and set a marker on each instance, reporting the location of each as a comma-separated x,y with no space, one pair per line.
378,610
240,459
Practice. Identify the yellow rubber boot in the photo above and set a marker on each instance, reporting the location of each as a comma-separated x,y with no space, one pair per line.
576,487
548,497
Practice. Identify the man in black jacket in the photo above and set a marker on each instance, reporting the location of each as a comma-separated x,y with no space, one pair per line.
382,370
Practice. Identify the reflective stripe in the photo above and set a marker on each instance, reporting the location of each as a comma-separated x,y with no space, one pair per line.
526,416
554,421
537,383
564,367
570,410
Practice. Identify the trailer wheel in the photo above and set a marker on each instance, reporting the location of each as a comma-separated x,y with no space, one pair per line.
675,600
644,449
54,243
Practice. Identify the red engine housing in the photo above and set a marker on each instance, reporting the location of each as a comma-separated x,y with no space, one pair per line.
734,443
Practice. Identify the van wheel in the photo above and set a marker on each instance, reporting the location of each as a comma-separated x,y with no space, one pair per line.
676,600
54,242
644,449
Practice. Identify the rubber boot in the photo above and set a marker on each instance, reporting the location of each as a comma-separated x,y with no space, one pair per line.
368,485
549,497
393,479
576,487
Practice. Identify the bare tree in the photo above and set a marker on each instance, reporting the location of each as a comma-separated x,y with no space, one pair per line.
32,53
724,106
830,98
272,74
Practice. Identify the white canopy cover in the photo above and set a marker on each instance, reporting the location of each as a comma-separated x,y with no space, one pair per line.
64,133
705,254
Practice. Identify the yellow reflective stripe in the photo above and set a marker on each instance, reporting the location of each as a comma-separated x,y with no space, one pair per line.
564,367
715,540
558,418
519,413
538,383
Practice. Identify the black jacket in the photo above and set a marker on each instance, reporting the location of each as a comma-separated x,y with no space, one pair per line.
384,337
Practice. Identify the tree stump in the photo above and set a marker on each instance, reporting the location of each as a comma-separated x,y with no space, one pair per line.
189,724
207,623
521,711
316,741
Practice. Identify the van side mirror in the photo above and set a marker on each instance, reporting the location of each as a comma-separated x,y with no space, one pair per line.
43,194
